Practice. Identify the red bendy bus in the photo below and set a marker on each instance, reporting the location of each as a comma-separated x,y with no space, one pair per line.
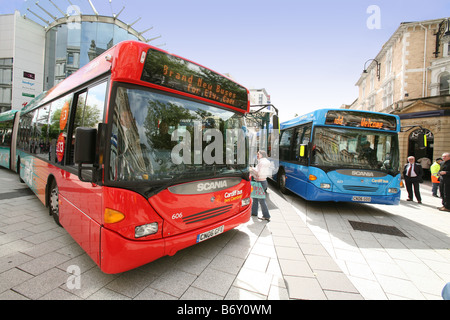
126,153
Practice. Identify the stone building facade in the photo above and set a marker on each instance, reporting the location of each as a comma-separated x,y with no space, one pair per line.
410,77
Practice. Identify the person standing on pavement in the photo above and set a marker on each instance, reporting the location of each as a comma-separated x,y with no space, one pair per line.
445,182
425,163
434,169
412,173
260,174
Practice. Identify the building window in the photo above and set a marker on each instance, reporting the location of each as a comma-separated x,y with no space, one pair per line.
5,95
444,84
446,46
363,93
371,106
372,80
388,95
6,77
388,63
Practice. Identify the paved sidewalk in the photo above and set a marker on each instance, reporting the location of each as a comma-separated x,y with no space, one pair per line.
415,265
278,260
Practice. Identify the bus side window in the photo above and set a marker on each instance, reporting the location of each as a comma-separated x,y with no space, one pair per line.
58,123
89,112
285,144
295,156
307,134
24,134
77,122
302,137
42,147
6,133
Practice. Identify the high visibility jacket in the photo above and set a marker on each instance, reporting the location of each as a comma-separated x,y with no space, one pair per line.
434,172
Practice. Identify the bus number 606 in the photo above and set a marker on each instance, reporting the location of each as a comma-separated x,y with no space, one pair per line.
177,215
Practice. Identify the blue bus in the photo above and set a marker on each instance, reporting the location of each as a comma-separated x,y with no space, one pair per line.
341,155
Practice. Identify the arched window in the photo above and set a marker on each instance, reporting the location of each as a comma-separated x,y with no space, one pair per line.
444,84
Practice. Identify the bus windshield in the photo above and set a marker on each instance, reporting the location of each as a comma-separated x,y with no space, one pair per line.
159,138
355,149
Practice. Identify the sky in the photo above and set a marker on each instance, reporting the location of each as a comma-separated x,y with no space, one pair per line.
306,54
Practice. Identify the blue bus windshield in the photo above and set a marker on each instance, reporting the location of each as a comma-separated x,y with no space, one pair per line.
356,149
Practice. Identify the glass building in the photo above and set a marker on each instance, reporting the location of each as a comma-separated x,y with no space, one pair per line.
36,52
71,42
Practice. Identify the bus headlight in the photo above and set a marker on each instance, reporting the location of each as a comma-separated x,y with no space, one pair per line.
392,190
146,230
325,186
245,202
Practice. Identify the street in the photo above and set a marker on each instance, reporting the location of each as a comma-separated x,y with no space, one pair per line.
313,251
415,265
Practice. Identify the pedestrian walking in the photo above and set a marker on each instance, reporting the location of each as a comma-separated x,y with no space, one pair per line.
434,169
412,173
260,174
444,174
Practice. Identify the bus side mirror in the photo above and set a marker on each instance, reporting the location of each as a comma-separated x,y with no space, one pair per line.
275,122
422,141
85,144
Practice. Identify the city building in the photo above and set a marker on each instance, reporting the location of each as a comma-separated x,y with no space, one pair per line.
410,77
36,56
259,96
21,60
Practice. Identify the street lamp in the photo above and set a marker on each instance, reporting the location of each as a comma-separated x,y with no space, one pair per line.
446,36
442,35
377,64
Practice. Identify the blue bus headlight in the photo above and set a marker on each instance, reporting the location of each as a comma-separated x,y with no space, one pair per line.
325,185
392,190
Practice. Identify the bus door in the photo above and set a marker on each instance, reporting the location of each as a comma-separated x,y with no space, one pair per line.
301,156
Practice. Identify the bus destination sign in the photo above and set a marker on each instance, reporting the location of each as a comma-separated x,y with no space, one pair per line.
175,73
361,120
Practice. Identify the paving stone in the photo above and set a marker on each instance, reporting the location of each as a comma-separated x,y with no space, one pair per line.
42,284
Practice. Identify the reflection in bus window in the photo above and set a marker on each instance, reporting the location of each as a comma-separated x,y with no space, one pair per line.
89,112
355,149
148,126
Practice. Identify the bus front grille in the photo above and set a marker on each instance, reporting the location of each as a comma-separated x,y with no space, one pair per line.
208,214
361,188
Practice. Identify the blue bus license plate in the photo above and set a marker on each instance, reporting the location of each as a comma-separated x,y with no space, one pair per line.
209,234
362,199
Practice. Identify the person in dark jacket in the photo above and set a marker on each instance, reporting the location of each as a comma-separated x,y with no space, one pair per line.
412,173
444,179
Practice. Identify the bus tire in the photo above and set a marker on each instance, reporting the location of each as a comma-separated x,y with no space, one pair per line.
282,182
53,203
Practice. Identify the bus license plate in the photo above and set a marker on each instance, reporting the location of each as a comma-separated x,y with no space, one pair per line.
209,234
362,199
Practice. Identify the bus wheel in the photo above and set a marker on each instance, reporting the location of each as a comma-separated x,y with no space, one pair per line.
282,182
54,202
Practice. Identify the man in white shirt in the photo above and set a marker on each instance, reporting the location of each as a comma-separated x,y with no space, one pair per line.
412,173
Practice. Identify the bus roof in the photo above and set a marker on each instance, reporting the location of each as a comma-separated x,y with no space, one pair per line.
320,116
125,61
8,115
